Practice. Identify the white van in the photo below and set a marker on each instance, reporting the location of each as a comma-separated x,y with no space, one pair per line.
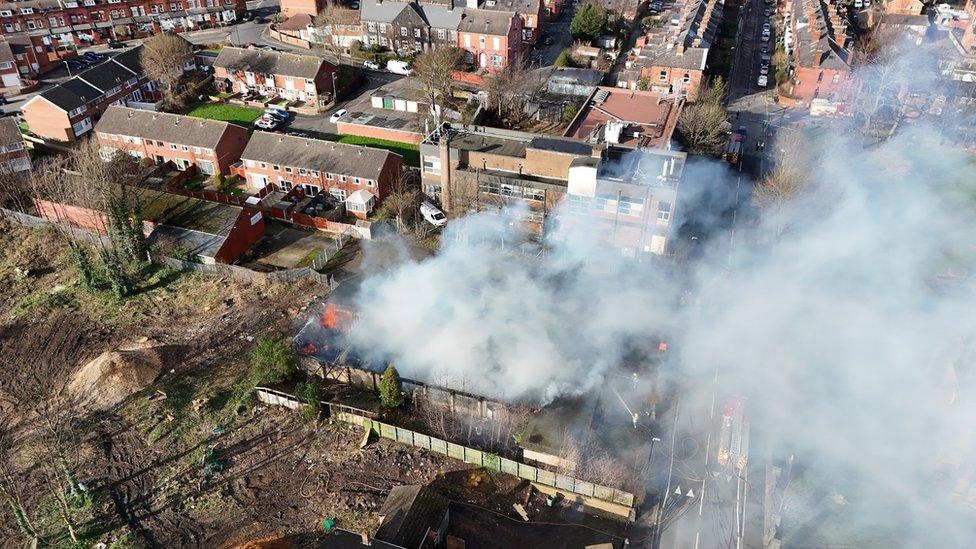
399,67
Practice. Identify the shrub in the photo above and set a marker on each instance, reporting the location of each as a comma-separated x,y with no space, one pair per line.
391,388
272,361
308,393
563,59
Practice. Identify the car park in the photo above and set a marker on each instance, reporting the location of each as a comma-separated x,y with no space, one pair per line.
432,214
765,38
372,65
337,115
94,57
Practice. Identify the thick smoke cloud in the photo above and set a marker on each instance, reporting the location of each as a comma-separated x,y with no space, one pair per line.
510,327
851,332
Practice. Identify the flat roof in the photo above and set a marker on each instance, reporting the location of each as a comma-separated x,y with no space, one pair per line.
650,114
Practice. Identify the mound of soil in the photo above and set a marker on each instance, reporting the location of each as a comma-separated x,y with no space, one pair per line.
114,375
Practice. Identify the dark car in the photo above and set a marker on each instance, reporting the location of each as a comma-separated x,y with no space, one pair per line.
3,99
75,64
116,45
94,57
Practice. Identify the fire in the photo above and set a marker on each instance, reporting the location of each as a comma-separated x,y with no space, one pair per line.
333,318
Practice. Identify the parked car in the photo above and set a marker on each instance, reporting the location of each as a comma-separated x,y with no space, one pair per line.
548,40
765,57
354,5
372,65
75,65
281,115
3,99
432,214
763,80
765,37
764,70
247,16
267,122
337,115
116,45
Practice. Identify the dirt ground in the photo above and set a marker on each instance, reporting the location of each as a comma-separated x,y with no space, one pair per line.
142,461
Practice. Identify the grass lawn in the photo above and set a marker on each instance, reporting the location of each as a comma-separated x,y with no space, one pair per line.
409,152
223,111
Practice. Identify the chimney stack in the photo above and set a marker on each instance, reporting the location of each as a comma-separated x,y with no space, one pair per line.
365,537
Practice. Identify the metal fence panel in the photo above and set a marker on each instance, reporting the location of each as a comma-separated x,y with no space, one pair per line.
546,477
584,488
602,492
473,456
491,461
404,435
421,440
623,498
455,451
565,483
438,445
528,472
508,466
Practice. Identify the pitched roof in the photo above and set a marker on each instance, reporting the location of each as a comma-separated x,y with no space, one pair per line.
88,85
160,126
269,62
184,212
408,512
440,16
381,12
6,53
9,131
107,75
530,7
316,154
297,22
70,94
486,22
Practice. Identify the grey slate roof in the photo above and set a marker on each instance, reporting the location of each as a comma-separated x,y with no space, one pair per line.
381,12
6,53
269,62
9,132
160,126
75,92
441,16
692,58
316,154
107,75
409,511
486,22
529,7
70,94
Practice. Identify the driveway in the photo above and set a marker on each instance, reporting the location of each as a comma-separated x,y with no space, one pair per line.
319,126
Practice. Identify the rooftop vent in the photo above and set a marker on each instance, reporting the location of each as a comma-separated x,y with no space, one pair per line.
601,96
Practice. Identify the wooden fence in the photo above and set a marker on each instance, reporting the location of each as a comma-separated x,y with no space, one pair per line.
243,273
488,460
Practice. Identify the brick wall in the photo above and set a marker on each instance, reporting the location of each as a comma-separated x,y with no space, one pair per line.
48,121
401,136
248,228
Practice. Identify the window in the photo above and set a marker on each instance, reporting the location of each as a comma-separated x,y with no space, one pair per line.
371,27
496,43
26,11
403,31
441,34
416,32
31,24
578,204
89,2
302,171
196,150
287,169
663,213
467,40
8,27
315,173
264,165
481,42
328,175
686,78
185,148
309,81
355,180
53,21
432,165
510,190
172,146
631,206
370,183
496,60
663,75
605,202
173,6
836,78
383,27
284,184
534,194
276,168
338,194
6,13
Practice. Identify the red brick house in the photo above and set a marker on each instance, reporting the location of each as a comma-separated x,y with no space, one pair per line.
306,78
14,157
79,22
210,145
32,56
215,233
354,174
822,65
490,39
291,8
530,12
9,73
69,110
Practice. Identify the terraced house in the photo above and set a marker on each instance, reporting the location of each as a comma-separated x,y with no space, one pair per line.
69,110
14,157
97,21
409,27
295,77
671,57
822,76
359,176
209,145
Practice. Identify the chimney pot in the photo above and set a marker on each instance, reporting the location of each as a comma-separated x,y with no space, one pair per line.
365,536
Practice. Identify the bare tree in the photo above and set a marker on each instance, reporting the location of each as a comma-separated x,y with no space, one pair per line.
163,57
792,163
402,199
511,88
434,70
702,124
329,21
14,489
